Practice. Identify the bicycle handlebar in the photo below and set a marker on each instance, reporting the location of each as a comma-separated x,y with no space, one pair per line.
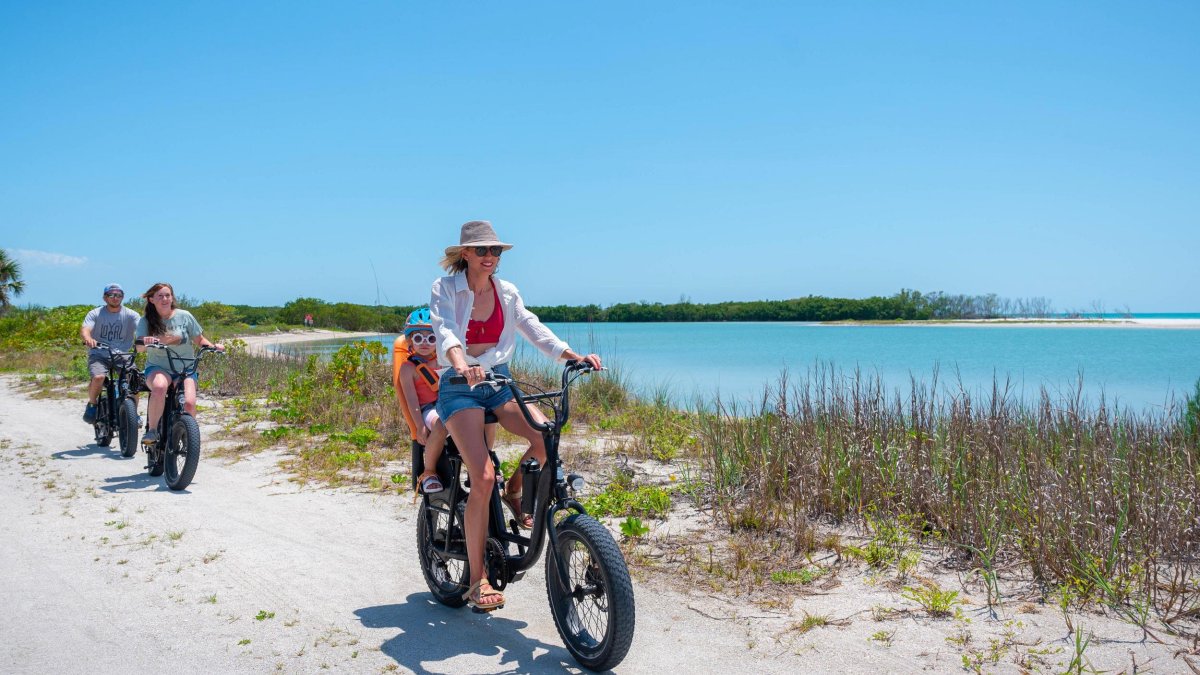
173,356
561,413
111,350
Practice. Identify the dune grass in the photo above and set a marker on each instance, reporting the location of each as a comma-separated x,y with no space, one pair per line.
1098,500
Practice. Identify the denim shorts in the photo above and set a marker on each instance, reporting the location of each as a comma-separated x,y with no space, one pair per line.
455,397
150,370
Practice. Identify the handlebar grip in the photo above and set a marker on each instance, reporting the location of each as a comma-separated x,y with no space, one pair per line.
456,379
579,365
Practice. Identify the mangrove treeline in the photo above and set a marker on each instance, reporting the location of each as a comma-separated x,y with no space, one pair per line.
906,305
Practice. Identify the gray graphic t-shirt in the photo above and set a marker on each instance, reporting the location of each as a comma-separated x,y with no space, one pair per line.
181,323
114,329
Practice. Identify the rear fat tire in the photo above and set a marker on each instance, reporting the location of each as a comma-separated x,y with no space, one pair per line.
104,432
447,579
597,628
182,454
127,427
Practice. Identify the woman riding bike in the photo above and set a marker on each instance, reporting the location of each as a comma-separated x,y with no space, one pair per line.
164,323
476,318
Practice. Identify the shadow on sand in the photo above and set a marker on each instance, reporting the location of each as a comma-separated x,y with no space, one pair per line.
431,633
89,450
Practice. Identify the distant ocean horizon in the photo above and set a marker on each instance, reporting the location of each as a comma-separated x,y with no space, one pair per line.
693,363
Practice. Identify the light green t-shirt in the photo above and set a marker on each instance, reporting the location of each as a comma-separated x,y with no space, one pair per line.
181,323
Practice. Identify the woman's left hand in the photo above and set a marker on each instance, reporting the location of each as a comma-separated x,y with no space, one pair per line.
592,360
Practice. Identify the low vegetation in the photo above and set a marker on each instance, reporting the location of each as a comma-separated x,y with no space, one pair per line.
1098,503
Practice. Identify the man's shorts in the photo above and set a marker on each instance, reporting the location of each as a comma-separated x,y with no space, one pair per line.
455,397
99,362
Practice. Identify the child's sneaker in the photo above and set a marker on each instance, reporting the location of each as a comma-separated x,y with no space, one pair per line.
89,413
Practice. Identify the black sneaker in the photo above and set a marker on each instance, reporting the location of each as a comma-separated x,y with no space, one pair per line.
89,413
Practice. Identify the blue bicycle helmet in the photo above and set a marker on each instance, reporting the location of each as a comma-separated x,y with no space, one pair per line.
419,319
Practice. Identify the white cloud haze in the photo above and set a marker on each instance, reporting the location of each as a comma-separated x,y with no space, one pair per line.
48,258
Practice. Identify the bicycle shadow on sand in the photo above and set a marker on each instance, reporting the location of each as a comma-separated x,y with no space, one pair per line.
432,633
89,450
138,481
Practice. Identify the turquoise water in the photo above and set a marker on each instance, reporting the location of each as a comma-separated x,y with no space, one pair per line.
1134,367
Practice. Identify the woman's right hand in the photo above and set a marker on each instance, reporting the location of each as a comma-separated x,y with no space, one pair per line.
422,434
474,374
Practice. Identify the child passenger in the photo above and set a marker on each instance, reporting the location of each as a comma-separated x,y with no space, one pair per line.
419,382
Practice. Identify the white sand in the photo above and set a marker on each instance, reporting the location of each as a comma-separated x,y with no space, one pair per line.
263,342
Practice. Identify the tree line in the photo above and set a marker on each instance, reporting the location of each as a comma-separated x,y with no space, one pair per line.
907,305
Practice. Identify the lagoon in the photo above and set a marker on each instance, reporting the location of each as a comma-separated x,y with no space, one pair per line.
1133,367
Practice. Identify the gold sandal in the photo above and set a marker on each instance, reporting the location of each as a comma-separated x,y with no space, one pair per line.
483,589
524,520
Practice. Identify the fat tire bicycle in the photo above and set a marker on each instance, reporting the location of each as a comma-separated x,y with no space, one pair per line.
176,453
116,407
587,581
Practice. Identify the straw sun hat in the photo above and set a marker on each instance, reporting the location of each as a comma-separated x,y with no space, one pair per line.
476,233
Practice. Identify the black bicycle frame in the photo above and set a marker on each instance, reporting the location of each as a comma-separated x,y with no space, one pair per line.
120,385
551,490
173,404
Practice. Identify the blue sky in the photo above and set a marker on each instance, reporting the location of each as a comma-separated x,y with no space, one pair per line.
259,152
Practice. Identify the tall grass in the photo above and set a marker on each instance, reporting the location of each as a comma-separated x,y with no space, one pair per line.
1095,498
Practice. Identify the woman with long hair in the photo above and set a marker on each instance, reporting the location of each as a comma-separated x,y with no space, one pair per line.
164,323
476,318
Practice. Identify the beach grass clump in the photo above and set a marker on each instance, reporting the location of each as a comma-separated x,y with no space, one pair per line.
1091,496
239,372
655,430
623,498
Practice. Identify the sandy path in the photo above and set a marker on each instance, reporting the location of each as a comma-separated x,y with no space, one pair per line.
106,570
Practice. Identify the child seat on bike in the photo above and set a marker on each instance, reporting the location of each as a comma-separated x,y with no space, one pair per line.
425,386
416,384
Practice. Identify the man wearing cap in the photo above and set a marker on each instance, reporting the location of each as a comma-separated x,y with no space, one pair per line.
113,324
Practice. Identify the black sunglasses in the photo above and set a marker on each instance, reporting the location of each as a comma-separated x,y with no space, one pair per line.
484,250
114,295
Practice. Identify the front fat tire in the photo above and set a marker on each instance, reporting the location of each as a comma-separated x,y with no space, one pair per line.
597,628
182,454
447,579
127,427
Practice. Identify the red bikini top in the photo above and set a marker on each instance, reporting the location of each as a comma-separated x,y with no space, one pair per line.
487,331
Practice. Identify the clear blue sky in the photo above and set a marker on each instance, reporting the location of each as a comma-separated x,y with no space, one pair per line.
259,152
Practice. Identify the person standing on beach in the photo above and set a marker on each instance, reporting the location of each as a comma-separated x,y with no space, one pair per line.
476,318
166,324
113,324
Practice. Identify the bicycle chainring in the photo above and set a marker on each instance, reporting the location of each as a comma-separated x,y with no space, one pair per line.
497,564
